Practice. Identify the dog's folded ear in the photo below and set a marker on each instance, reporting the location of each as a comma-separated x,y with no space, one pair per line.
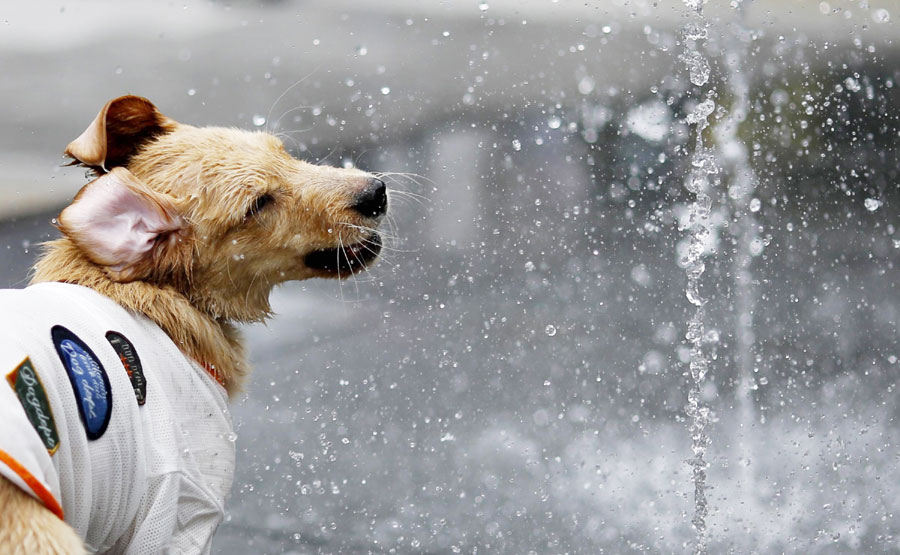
121,127
129,229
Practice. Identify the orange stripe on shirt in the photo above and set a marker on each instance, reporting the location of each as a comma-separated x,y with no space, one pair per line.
36,486
212,371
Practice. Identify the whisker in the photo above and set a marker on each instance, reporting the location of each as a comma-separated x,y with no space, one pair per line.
352,273
319,163
288,137
338,266
365,245
369,229
412,177
281,117
395,196
287,90
386,248
358,156
421,199
411,194
396,193
366,242
288,132
382,245
392,223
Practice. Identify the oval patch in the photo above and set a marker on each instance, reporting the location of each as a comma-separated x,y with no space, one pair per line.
27,385
90,384
132,363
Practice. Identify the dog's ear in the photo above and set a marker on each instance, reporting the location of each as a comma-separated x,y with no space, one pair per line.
121,127
132,231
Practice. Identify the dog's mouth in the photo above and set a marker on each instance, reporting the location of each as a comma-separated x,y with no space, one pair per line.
346,259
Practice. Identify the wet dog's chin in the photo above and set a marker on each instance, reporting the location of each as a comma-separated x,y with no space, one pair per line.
344,260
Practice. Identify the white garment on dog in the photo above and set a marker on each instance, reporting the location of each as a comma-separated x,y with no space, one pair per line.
137,452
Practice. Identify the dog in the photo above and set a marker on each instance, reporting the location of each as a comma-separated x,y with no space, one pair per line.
123,351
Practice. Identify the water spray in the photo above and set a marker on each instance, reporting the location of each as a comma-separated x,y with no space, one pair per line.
701,179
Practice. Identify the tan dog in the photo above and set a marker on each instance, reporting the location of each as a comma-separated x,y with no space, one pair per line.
192,228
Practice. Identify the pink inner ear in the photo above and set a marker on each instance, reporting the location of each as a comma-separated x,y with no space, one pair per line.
116,219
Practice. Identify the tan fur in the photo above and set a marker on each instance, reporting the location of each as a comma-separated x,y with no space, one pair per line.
221,269
28,528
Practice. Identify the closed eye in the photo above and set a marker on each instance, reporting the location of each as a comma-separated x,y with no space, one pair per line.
258,204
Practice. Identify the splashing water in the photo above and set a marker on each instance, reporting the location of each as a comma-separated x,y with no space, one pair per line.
698,66
703,176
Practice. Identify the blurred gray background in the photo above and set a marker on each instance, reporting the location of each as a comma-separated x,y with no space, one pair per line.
511,378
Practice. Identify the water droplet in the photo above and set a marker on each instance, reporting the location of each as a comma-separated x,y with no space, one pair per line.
361,50
698,67
852,84
517,145
259,120
554,122
695,299
232,437
483,6
385,90
701,112
550,330
529,266
872,204
881,15
192,92
757,246
586,85
693,31
755,205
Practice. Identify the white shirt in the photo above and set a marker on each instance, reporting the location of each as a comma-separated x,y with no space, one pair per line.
128,477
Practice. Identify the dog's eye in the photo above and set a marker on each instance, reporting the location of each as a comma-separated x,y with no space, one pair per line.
258,204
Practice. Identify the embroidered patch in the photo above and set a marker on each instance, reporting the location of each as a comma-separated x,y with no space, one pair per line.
28,387
89,381
132,363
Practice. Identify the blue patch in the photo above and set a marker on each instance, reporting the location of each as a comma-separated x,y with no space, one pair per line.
88,378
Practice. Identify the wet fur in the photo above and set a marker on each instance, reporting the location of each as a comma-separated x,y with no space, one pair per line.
217,271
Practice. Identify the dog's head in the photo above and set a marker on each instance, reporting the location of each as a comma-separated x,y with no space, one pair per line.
221,214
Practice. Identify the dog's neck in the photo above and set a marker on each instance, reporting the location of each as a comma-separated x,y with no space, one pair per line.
215,344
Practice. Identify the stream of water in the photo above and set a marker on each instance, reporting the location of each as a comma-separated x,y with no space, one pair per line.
703,178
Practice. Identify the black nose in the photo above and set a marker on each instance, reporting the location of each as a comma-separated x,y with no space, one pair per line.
372,202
